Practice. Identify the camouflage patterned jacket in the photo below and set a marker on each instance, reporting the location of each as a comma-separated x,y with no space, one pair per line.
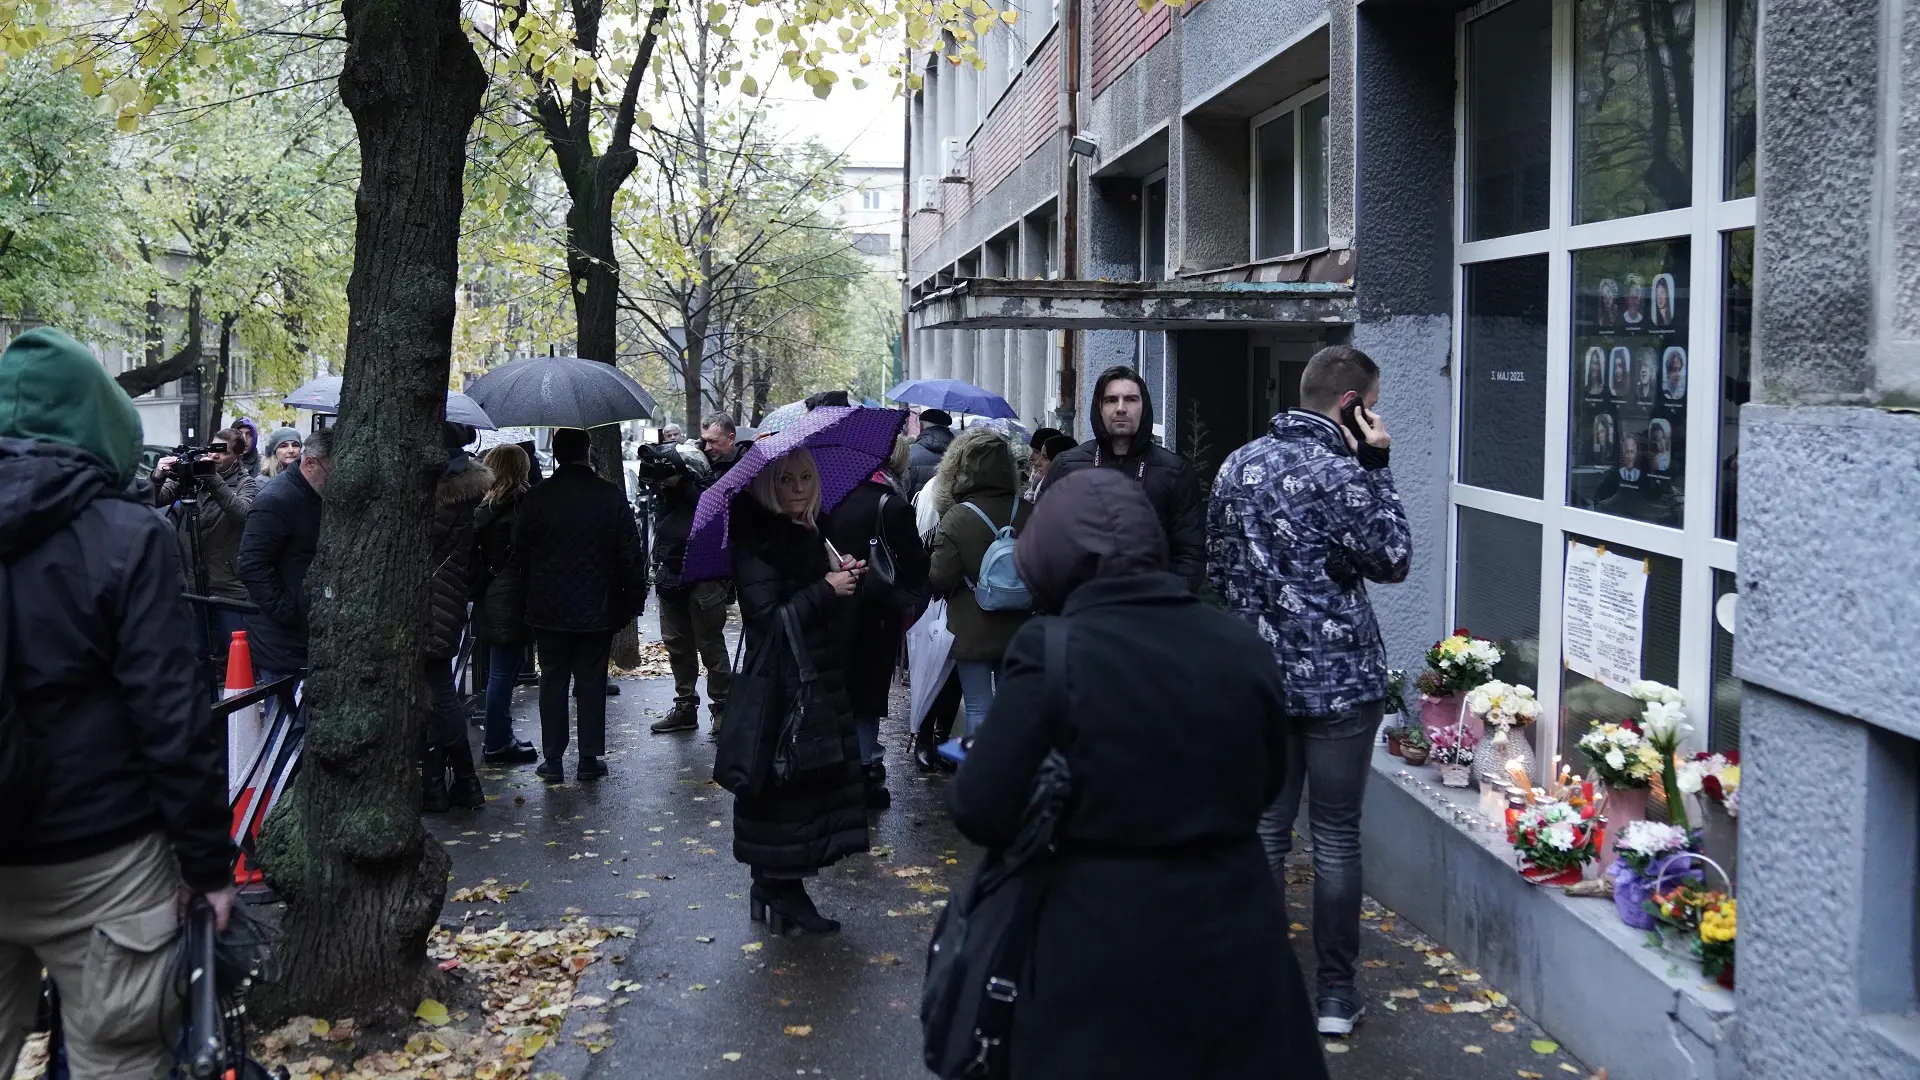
1294,531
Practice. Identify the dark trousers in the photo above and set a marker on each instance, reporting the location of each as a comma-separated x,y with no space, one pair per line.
579,660
693,625
212,632
449,725
1331,757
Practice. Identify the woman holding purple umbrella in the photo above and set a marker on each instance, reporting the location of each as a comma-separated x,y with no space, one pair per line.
781,566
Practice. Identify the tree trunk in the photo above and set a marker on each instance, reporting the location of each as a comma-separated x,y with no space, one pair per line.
363,880
155,372
222,376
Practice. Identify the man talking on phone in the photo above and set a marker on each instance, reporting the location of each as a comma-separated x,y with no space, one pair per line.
1301,519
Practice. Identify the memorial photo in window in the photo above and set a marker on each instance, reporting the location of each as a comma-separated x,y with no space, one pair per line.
1633,107
1628,413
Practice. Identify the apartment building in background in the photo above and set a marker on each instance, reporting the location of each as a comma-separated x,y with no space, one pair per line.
1546,220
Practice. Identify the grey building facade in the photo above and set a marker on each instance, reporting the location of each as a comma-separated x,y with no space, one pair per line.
1607,253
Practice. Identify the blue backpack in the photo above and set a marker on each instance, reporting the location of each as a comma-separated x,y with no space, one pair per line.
999,587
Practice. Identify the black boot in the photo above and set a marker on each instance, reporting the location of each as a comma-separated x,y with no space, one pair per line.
878,798
433,782
784,905
466,791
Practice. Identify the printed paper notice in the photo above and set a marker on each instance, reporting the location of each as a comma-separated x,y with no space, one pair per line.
1603,606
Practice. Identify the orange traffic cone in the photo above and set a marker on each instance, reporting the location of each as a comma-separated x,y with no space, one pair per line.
246,730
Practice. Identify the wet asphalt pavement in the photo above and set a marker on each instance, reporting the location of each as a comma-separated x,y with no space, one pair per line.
703,991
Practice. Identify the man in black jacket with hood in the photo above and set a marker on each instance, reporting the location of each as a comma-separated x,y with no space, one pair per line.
112,775
1123,440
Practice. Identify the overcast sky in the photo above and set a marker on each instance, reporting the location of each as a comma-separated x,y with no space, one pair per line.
866,125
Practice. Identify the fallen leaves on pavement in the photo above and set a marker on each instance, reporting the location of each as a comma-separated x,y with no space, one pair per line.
489,891
526,980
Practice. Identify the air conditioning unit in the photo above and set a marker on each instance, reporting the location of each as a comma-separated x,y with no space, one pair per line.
926,193
953,160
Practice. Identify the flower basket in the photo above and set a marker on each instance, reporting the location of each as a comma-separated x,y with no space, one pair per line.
1555,841
1453,775
1700,923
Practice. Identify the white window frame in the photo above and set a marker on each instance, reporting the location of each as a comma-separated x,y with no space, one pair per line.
1704,223
1294,105
1166,273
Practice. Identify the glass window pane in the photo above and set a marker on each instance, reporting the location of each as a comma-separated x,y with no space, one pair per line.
1584,701
1633,107
1503,372
1736,361
1509,101
1743,118
1313,174
1723,729
1629,408
1273,201
1497,589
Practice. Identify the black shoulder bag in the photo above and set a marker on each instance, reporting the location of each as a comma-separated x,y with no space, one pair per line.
765,740
883,569
982,943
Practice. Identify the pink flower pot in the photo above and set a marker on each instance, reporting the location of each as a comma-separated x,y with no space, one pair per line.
1623,805
1443,714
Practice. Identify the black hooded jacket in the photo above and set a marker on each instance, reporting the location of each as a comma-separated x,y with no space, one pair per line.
1175,730
1172,487
101,667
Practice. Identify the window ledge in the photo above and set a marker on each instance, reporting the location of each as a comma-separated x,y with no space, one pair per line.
1569,963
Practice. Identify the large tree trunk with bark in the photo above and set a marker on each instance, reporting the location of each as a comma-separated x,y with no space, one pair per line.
363,880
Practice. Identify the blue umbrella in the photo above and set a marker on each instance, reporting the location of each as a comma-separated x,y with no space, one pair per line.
322,395
953,396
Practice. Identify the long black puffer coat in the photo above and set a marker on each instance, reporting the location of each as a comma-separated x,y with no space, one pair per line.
818,817
501,610
879,622
461,487
1161,949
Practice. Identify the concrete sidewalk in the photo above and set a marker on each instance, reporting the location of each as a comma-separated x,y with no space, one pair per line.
650,847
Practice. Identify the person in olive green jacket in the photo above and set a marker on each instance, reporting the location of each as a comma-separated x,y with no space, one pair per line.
977,471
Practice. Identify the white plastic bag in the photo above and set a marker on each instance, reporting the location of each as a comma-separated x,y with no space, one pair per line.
929,657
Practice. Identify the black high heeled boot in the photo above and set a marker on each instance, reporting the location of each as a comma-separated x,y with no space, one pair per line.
433,782
784,905
465,791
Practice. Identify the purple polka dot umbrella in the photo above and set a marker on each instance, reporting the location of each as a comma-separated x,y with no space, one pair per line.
848,444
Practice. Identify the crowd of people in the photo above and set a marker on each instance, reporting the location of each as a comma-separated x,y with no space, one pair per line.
1192,734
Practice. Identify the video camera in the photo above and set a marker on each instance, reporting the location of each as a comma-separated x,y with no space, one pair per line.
197,462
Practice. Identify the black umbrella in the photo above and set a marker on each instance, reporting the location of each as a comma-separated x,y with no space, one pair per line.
560,391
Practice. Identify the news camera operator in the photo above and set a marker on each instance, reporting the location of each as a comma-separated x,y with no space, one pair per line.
693,618
208,494
112,783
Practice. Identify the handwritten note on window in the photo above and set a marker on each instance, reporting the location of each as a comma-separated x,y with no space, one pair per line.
1603,608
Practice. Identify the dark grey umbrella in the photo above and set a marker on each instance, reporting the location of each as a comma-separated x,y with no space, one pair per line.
322,395
560,391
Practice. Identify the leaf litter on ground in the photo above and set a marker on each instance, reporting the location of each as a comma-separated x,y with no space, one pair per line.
526,982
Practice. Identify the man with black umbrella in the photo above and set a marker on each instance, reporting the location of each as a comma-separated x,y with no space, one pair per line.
586,576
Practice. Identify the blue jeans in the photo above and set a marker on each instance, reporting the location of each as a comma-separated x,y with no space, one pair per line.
503,671
977,679
1331,757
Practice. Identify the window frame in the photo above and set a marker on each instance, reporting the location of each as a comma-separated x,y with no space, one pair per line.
1295,105
1695,544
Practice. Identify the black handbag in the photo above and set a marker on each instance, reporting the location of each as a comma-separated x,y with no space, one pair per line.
739,760
803,747
977,960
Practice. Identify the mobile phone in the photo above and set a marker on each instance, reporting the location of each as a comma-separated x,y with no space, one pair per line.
1349,415
834,559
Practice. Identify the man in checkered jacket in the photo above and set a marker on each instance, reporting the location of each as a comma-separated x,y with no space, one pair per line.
1301,519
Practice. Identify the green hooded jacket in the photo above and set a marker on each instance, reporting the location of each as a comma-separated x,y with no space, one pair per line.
53,389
